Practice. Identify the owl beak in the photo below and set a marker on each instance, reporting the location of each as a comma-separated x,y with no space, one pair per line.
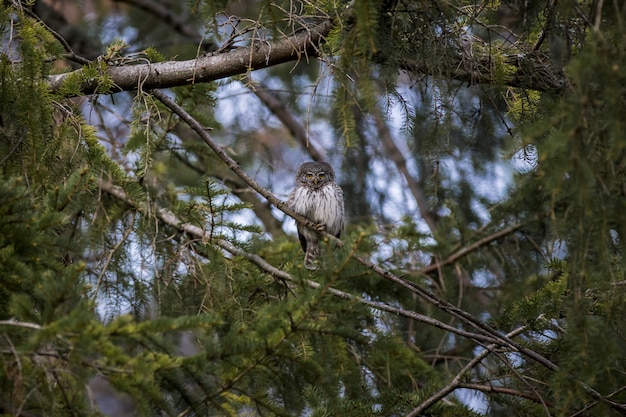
315,181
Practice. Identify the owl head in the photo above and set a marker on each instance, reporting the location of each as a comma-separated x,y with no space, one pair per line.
315,174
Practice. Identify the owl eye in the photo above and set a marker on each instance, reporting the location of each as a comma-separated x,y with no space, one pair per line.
309,176
322,175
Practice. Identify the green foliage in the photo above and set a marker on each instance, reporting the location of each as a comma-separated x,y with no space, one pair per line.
94,73
153,55
73,84
522,104
214,211
358,46
131,254
577,193
549,300
143,137
21,242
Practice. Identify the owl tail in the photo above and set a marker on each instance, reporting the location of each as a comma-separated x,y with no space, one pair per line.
311,255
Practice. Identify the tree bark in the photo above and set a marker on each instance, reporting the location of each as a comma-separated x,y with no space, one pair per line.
261,54
532,70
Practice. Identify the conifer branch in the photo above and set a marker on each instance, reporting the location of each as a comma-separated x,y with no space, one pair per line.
302,45
263,210
458,379
169,218
531,70
411,286
465,317
71,55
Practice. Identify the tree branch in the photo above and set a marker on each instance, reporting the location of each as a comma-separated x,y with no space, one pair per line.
501,390
462,252
24,324
458,379
241,190
261,54
170,219
71,55
532,70
465,317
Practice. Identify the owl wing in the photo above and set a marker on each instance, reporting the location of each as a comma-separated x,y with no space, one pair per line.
303,241
291,203
339,196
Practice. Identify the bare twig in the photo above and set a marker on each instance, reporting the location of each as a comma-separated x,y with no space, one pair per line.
24,324
471,248
501,390
71,55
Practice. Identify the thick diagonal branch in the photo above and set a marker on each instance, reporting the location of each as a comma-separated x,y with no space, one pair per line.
527,70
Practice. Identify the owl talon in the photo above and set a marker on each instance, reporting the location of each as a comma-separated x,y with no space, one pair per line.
320,227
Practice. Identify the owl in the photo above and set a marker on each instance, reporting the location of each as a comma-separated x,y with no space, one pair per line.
318,198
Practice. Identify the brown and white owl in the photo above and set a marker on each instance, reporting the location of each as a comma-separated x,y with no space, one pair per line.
318,198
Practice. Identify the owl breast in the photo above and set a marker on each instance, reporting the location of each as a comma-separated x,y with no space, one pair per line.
322,205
